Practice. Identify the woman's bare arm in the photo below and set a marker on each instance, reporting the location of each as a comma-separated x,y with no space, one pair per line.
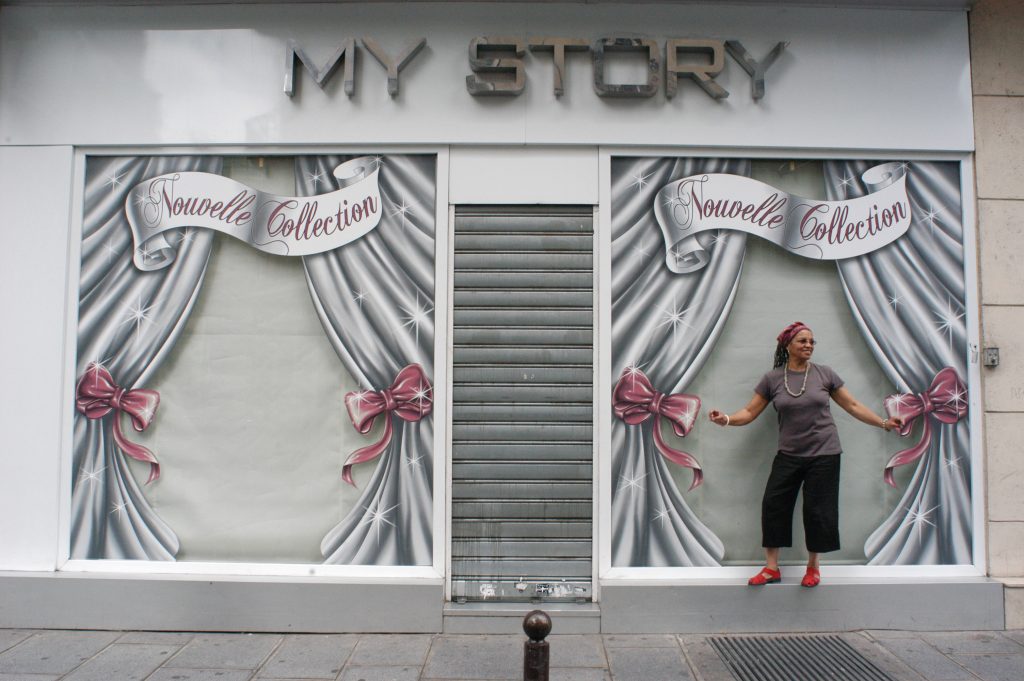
845,399
743,416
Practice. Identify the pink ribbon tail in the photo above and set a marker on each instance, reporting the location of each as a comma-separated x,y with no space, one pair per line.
134,450
909,455
677,457
367,453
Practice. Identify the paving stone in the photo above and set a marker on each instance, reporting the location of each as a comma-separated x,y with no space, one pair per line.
881,657
164,674
12,637
640,641
882,634
28,677
124,662
648,664
383,650
407,673
972,642
309,656
54,652
225,651
704,659
475,657
926,660
580,674
994,666
569,650
164,637
1015,634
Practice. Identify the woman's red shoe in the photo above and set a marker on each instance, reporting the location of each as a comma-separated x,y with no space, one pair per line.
812,578
765,576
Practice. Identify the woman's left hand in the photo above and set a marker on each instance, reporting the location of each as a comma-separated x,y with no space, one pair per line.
894,423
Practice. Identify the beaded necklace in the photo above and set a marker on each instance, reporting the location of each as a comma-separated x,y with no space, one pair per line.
785,380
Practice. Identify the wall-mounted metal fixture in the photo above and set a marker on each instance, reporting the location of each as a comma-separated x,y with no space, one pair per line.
990,357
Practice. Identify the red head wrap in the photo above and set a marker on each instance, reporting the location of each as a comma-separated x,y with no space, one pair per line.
790,332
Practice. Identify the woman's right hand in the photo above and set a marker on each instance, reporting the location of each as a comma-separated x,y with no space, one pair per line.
718,417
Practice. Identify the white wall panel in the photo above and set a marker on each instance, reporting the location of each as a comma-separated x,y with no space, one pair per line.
850,79
517,175
35,190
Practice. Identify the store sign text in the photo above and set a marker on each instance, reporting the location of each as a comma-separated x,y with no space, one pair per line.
499,68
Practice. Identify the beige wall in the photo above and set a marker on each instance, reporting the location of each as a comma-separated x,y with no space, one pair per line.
997,65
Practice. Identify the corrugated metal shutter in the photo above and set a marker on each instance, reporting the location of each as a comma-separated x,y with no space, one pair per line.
522,478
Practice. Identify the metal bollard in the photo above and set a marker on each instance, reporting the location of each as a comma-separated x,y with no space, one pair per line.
537,626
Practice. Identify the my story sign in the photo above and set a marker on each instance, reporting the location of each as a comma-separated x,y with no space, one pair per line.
823,230
280,225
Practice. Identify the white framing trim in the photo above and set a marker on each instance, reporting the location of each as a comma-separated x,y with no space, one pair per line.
363,574
680,575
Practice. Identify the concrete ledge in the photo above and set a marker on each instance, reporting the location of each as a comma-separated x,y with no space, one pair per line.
507,618
837,605
216,603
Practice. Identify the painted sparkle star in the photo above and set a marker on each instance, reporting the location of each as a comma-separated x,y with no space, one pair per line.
661,515
90,476
920,518
187,236
640,180
947,320
118,509
674,316
717,238
138,314
376,517
421,394
631,482
360,396
359,297
417,317
414,462
316,178
641,253
846,181
378,161
958,398
951,462
895,301
114,181
112,250
929,217
633,370
404,209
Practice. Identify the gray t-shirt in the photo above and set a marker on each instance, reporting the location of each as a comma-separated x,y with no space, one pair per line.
806,427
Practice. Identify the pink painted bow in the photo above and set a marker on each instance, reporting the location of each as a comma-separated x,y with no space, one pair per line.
635,400
410,398
945,401
97,395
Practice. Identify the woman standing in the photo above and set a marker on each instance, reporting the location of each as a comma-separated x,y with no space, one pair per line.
808,450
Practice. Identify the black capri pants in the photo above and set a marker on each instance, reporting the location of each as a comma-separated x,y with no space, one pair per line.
819,476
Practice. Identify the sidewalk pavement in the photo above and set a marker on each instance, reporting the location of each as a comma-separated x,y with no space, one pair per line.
48,655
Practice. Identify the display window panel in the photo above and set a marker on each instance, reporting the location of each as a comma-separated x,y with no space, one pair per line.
711,259
255,360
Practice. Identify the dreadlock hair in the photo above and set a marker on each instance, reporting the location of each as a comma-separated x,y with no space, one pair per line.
781,356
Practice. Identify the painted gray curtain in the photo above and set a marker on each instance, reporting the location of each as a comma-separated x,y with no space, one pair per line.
128,320
908,299
666,325
375,298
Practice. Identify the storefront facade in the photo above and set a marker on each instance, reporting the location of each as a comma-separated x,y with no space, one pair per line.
367,316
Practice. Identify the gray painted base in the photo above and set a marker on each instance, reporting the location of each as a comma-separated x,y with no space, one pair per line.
320,605
507,618
215,603
839,605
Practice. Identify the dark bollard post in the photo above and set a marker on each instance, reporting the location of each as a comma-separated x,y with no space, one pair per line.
537,626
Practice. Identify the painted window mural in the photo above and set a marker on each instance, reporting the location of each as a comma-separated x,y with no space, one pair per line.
236,405
711,258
